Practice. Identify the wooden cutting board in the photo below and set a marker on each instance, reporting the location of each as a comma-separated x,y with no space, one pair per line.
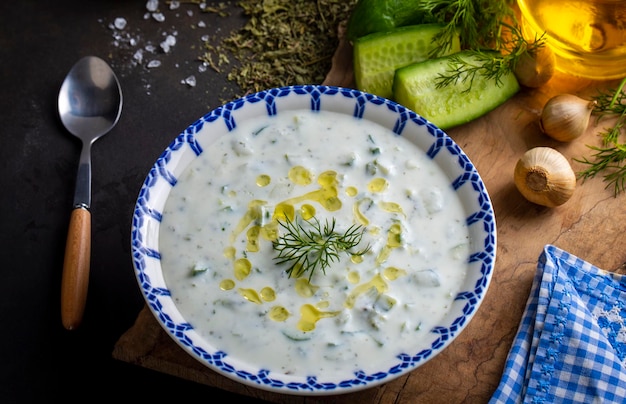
590,225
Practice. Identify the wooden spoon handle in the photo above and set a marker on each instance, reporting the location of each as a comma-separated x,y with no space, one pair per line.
75,278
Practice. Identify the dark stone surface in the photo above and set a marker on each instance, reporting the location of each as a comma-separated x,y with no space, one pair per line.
39,42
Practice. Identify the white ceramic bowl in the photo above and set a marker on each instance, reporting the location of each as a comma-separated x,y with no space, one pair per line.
463,178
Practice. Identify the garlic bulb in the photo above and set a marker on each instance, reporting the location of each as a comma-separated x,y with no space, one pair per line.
566,117
544,176
536,68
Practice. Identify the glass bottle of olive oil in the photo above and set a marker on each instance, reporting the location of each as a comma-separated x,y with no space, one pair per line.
588,37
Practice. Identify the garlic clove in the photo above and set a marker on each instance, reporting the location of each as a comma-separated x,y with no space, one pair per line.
565,117
545,177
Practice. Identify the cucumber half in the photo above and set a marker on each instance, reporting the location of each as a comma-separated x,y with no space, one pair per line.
415,87
377,56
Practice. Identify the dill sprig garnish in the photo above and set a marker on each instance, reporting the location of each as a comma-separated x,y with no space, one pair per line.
610,158
308,246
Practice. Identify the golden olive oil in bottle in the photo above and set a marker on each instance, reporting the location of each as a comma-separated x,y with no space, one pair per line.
588,37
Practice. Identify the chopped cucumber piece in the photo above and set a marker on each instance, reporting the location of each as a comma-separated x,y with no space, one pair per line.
415,87
377,56
296,335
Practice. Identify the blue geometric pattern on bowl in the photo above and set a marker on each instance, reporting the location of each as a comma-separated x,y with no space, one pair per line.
465,180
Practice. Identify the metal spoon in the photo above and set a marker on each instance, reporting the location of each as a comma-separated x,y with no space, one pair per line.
90,104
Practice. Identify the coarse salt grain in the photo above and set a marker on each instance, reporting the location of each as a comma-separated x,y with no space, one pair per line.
138,56
170,41
190,81
120,23
152,5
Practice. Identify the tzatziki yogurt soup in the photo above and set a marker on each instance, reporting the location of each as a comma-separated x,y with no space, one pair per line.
324,174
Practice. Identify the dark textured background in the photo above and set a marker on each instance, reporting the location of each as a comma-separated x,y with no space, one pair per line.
39,42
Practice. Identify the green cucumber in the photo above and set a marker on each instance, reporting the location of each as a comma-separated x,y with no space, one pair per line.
415,87
377,56
369,16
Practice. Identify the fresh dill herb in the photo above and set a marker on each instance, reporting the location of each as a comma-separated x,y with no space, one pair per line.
308,246
610,158
488,30
478,21
612,104
261,129
492,64
198,269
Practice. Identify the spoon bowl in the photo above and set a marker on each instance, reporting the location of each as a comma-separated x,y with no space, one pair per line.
90,105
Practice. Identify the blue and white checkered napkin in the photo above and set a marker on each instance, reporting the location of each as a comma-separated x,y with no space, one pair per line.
571,343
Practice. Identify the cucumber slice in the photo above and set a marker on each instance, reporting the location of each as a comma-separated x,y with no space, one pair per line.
377,56
415,87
